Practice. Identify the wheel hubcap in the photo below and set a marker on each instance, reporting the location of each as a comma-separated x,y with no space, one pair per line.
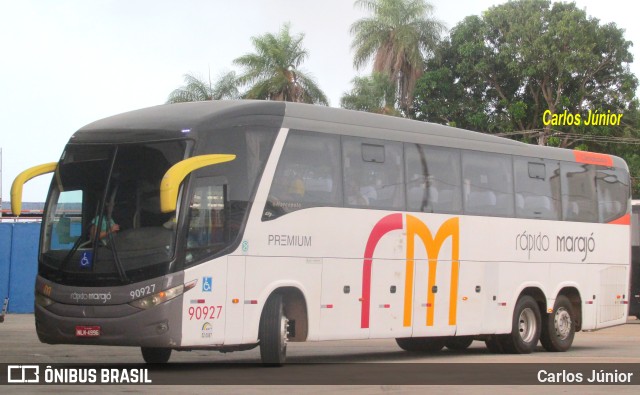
527,325
562,323
284,332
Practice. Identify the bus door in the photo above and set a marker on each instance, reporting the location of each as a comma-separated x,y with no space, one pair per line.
204,307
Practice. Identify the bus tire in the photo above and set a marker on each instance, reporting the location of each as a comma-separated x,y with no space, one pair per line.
421,344
459,343
155,354
525,327
559,328
494,344
273,332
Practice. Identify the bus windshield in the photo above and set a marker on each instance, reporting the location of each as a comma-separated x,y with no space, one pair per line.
103,221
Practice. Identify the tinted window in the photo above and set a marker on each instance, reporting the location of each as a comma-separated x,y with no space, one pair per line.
308,174
373,174
433,179
613,193
537,184
578,192
488,183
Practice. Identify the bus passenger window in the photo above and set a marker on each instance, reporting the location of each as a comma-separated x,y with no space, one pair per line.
613,193
433,179
373,174
537,184
308,175
579,201
488,184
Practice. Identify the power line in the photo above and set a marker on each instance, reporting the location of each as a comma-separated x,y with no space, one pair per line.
575,136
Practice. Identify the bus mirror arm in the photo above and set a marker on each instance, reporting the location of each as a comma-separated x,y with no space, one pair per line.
170,184
22,178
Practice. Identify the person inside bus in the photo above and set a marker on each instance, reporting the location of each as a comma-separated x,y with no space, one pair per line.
107,225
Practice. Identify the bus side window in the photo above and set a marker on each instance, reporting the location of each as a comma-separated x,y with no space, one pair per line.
433,179
307,175
488,184
613,193
373,174
207,224
537,188
579,200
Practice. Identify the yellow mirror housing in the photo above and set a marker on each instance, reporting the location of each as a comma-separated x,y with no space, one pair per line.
172,179
22,178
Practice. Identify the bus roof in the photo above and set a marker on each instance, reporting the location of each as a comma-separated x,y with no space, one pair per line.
172,121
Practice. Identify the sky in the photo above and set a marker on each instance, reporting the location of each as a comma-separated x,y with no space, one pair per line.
66,63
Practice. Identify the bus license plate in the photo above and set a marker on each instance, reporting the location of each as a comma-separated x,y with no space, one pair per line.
87,331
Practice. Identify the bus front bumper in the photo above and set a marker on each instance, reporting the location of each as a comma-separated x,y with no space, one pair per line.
159,326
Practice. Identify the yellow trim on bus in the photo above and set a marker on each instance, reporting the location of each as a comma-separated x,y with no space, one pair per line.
172,179
22,178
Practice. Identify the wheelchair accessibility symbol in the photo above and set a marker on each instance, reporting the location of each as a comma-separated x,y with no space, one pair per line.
86,259
207,283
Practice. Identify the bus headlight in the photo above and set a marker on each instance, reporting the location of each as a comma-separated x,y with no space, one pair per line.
43,301
162,296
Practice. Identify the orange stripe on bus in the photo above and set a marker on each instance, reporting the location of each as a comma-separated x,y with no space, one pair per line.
593,158
624,220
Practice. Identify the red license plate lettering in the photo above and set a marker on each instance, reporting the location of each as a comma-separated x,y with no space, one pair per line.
87,331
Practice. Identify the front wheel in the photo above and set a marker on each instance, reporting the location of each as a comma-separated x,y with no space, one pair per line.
155,355
559,328
525,328
273,332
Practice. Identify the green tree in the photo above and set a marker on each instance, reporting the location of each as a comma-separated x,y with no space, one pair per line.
523,58
273,71
196,89
398,37
375,93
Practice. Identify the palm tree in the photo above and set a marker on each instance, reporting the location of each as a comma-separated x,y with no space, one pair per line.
195,89
375,93
273,71
399,36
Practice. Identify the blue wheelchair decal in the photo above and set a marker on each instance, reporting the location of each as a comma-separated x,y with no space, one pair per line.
86,260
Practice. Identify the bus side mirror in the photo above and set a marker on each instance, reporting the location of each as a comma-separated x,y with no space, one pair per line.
170,184
22,178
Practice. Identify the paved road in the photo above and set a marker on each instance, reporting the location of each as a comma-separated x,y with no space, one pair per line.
19,344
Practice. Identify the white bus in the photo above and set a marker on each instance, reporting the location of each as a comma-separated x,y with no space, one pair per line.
232,225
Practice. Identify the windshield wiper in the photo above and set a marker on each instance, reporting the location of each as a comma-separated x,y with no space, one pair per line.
116,259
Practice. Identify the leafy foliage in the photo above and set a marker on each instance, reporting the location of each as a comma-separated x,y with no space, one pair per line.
273,71
502,71
398,37
375,93
196,89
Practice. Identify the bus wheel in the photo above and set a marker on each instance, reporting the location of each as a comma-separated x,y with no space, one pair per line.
494,344
155,355
273,332
421,344
558,328
525,327
458,343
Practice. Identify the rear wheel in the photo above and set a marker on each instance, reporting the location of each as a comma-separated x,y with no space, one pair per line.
525,328
421,344
559,328
273,332
459,342
155,355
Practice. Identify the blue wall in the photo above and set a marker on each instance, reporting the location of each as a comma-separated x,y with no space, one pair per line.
18,264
